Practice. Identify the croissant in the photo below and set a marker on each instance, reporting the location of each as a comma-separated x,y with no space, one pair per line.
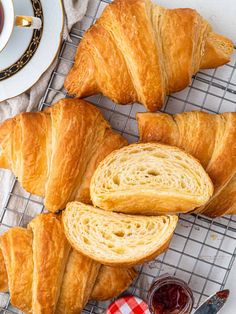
211,139
117,239
54,153
45,275
139,51
3,275
119,279
150,179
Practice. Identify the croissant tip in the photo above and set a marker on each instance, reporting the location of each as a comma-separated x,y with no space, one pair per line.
218,51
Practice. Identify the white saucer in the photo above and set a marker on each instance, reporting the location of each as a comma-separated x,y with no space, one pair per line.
29,53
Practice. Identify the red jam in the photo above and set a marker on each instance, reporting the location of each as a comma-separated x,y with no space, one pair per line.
170,295
169,299
1,17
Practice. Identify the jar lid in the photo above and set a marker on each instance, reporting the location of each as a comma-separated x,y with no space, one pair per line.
128,305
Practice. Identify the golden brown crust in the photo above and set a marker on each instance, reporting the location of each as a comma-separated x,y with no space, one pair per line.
218,50
16,246
185,130
50,254
119,279
209,138
111,141
37,269
224,203
54,153
78,282
3,275
36,266
145,51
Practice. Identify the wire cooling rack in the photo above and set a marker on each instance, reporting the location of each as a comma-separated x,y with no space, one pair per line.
202,251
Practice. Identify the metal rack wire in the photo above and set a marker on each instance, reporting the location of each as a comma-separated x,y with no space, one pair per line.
202,251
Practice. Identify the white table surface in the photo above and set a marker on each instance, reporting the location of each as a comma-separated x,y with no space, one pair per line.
222,16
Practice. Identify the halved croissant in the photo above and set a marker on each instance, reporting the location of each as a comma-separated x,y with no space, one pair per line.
117,239
150,178
45,275
54,153
211,139
139,51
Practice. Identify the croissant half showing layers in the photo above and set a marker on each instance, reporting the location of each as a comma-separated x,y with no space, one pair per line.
151,179
211,139
45,275
117,239
54,153
139,51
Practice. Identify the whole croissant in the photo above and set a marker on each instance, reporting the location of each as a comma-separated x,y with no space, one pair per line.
139,51
211,139
54,153
44,275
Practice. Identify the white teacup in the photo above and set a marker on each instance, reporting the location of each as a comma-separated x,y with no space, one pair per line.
10,20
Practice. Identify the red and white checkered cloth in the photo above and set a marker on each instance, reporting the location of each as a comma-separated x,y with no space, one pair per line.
128,305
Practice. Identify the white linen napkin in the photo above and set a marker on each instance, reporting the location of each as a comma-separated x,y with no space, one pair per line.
28,101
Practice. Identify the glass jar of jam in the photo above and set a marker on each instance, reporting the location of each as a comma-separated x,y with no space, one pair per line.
170,295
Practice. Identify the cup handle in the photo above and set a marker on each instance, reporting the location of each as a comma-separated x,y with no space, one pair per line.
28,22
